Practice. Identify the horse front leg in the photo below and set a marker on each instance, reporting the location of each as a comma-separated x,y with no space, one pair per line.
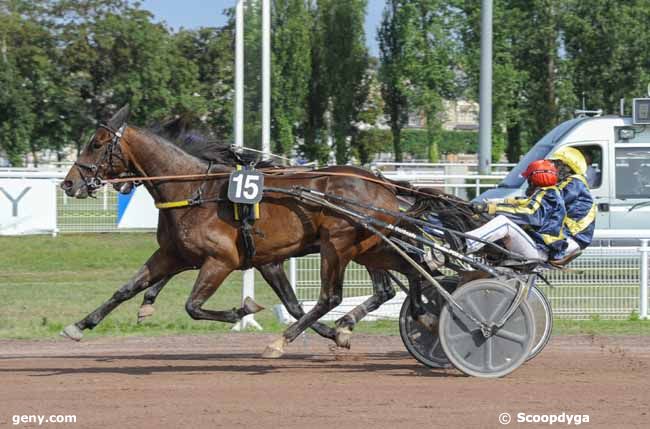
276,278
211,276
158,266
382,291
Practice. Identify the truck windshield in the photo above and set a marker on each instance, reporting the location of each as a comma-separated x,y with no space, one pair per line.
541,149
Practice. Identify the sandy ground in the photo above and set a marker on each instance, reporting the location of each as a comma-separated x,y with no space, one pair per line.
220,381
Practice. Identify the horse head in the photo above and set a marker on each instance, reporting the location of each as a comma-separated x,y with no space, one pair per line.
102,158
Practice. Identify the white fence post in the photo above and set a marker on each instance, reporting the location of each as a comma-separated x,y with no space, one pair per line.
643,292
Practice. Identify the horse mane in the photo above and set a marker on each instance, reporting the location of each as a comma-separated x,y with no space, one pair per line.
196,139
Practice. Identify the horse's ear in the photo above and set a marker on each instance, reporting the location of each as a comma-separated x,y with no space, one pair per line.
119,118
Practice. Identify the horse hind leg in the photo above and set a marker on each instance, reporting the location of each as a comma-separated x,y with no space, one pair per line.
146,308
277,279
211,276
382,291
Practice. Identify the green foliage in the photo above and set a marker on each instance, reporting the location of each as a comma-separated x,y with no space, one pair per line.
397,54
345,63
418,52
66,65
606,45
370,142
416,143
291,67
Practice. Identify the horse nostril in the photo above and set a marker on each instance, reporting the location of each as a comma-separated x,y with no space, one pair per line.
66,185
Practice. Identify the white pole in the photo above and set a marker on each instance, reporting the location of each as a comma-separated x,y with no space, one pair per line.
266,78
643,293
248,287
485,90
239,73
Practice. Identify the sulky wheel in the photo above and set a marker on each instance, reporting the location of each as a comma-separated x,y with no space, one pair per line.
463,341
543,315
420,342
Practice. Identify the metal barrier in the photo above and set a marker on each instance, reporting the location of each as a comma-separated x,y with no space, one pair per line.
605,282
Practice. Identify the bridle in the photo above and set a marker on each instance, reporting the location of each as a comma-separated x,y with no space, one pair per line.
113,151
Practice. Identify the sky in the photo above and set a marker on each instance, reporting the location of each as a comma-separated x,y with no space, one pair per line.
192,14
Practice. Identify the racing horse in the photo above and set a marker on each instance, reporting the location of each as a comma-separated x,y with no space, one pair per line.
207,237
195,139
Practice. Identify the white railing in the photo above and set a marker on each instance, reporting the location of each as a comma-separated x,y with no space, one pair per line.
100,214
74,215
424,165
604,282
452,178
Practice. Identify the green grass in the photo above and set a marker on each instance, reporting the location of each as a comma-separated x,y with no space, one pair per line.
601,327
47,283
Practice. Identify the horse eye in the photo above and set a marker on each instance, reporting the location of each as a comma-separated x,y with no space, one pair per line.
96,145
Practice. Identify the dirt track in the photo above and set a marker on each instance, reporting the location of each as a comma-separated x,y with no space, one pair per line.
220,381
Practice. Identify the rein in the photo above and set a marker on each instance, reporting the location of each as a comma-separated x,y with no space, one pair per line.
269,171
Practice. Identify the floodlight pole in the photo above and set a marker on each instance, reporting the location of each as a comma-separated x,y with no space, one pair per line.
485,94
248,287
266,78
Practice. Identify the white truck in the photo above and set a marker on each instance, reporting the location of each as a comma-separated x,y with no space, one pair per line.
617,149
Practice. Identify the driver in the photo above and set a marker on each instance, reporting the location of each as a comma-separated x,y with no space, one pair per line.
581,210
531,227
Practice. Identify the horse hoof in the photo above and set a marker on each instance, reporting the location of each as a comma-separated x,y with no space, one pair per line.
251,306
275,349
429,322
146,310
72,332
344,337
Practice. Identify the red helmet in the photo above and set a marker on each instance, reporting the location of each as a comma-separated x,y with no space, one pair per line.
541,173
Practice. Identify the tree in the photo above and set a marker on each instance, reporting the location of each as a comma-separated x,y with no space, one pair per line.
396,36
313,129
115,54
210,49
419,64
291,63
606,43
345,60
434,73
30,83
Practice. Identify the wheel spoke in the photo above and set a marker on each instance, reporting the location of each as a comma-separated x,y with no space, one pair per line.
474,310
517,338
489,342
461,334
433,346
499,310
